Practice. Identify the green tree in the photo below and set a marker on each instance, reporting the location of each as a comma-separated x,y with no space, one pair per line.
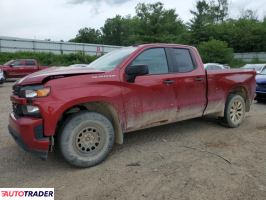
205,15
243,35
202,18
157,24
117,30
216,51
88,35
219,10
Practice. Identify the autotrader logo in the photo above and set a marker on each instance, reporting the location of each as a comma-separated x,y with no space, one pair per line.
27,193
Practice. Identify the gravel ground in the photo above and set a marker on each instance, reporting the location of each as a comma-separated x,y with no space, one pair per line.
194,159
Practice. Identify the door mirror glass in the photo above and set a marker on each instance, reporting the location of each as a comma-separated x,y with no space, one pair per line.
133,71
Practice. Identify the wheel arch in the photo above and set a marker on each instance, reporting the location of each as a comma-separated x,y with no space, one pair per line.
242,91
101,107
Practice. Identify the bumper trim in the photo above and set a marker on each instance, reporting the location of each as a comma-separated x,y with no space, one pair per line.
42,154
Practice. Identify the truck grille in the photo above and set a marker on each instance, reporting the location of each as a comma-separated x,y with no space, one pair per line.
16,90
262,86
17,109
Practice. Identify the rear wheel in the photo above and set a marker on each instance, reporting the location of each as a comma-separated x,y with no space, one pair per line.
235,110
86,139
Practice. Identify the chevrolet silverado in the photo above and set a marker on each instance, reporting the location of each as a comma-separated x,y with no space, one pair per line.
83,111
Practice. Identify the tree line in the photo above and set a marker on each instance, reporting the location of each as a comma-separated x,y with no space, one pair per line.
210,26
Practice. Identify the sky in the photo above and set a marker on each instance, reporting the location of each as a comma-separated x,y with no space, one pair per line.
61,19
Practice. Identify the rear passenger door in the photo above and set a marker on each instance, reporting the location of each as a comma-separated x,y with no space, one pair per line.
189,83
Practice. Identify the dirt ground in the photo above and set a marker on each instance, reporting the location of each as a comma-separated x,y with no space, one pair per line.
190,160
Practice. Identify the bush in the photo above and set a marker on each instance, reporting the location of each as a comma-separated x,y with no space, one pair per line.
49,59
216,51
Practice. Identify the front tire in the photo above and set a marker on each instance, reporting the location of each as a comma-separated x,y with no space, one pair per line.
86,139
235,110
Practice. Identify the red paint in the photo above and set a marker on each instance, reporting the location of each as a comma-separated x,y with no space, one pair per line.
22,69
146,102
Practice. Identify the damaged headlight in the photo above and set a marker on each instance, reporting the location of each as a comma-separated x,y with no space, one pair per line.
35,91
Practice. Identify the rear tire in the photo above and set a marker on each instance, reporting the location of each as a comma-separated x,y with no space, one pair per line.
234,112
86,139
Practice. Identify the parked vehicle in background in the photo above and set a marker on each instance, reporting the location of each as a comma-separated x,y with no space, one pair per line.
78,65
261,86
20,68
215,66
1,76
87,109
257,67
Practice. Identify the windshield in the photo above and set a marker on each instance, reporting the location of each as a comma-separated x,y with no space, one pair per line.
9,62
111,60
263,72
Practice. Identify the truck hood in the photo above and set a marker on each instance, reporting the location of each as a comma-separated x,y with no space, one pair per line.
261,79
54,73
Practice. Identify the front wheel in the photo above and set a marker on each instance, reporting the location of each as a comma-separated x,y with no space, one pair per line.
235,110
86,139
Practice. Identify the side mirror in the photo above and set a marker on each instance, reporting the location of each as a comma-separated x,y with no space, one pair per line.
133,71
11,65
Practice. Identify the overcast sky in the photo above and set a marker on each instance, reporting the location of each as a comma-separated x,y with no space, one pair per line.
61,19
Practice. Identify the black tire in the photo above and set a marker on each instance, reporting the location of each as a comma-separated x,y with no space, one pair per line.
234,112
86,139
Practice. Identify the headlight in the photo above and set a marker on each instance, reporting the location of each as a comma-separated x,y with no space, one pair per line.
41,92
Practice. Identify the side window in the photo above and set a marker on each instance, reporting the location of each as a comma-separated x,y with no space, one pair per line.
182,60
30,62
155,59
17,63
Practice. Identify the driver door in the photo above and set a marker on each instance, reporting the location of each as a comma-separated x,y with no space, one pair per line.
17,69
150,100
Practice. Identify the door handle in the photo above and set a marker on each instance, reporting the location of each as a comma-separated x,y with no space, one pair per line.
168,82
199,79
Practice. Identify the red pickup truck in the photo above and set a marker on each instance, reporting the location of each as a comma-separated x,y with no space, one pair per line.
20,68
83,111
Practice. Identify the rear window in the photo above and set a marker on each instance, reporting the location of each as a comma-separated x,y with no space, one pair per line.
182,60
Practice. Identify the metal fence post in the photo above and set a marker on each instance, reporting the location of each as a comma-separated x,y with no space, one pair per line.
33,46
61,48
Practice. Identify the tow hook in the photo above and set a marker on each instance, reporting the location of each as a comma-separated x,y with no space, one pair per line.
51,147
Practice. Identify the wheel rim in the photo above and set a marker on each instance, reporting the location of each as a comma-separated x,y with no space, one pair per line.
237,112
89,140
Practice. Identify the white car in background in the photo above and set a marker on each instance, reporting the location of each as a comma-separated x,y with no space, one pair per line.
1,76
215,66
258,67
78,65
